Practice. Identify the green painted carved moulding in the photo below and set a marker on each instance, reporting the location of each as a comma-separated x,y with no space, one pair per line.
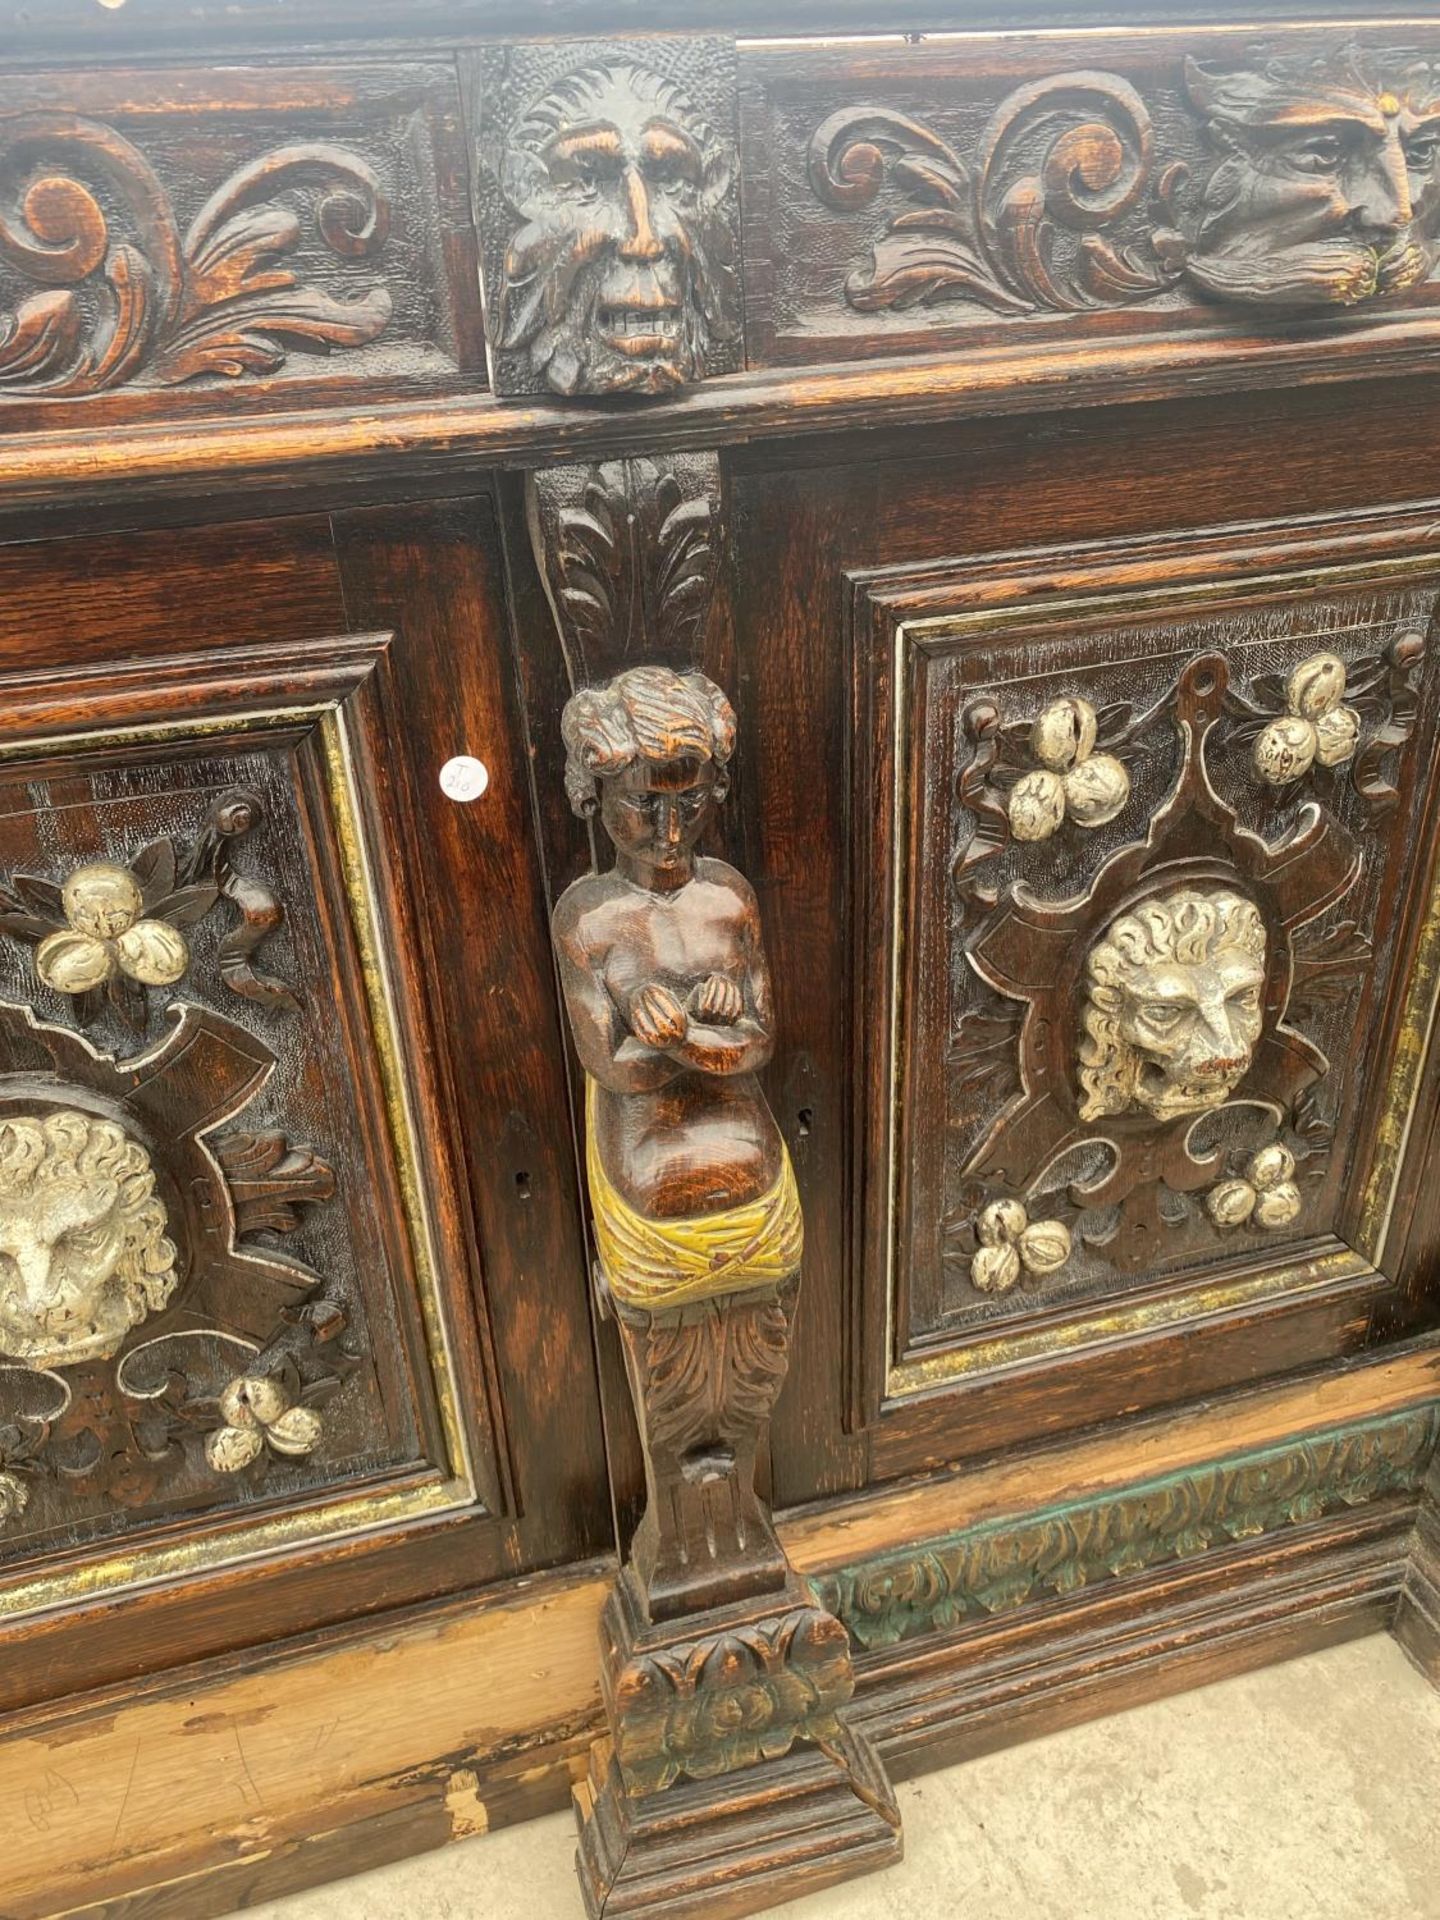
1002,1564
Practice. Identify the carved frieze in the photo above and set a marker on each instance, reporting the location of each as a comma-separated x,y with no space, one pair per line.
1064,158
1030,193
125,291
1314,185
607,197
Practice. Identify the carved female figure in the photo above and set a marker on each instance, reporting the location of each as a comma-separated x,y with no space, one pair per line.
669,998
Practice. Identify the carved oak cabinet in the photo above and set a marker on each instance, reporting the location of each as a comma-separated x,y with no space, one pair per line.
719,911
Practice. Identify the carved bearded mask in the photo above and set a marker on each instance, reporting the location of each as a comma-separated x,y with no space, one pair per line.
615,281
1325,192
1174,1005
83,1251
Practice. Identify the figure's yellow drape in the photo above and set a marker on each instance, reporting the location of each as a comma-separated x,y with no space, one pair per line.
664,1263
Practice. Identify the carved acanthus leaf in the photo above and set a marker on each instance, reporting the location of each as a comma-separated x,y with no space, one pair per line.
723,1701
714,1370
270,1181
1327,966
155,306
629,552
984,1060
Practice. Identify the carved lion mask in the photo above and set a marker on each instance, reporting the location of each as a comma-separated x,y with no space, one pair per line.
83,1251
617,280
1325,191
1173,1006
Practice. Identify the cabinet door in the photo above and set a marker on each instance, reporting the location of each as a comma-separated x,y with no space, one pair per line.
1092,768
291,1282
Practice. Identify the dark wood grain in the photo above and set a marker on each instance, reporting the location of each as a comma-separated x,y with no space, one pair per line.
1046,376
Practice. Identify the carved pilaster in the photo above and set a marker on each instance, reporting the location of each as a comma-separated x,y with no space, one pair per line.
726,1683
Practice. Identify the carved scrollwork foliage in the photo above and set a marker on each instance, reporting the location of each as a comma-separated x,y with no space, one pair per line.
123,295
1061,160
629,551
1307,183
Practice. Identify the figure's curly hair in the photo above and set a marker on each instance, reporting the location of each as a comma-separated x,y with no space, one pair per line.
585,94
1185,926
645,713
69,1150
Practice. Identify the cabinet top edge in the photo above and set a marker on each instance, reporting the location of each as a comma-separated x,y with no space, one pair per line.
98,31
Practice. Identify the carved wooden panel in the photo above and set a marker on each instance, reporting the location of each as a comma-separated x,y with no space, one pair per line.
899,195
168,235
1150,945
607,198
217,1289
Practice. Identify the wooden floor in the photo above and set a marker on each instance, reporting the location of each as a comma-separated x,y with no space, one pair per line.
1277,1795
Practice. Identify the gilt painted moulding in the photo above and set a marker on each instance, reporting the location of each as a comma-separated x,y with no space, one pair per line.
1131,1093
1080,187
607,191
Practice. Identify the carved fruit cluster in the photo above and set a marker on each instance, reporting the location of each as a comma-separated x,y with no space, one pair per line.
1265,1196
1012,1243
1072,781
258,1412
106,932
1317,729
14,1497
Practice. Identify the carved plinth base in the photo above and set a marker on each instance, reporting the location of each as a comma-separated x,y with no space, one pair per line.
728,1846
731,1778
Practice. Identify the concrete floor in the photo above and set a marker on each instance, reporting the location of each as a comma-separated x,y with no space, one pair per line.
1310,1791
